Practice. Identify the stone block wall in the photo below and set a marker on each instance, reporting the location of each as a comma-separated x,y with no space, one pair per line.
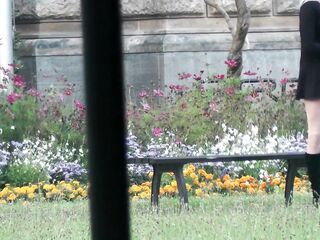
160,39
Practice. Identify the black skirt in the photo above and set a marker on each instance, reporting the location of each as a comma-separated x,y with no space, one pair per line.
309,72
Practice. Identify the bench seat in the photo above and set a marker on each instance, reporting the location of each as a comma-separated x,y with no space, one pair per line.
175,165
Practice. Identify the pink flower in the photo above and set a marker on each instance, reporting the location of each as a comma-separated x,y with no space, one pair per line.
249,73
201,88
284,81
219,76
68,91
80,106
231,63
158,93
213,106
178,88
13,97
198,77
248,98
229,91
183,105
157,132
14,65
18,81
184,75
206,114
146,107
143,94
33,92
254,94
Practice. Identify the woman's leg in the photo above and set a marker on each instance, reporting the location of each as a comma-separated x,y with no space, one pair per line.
312,108
313,148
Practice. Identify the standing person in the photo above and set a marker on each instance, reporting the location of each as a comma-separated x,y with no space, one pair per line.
309,87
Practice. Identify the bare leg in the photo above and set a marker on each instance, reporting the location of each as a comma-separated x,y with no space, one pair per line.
312,108
313,148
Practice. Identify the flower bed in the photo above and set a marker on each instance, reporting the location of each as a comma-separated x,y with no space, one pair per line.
42,191
201,183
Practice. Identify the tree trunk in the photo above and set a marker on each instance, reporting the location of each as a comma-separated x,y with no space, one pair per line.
238,34
235,53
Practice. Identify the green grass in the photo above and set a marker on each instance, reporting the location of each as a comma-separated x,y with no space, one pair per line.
218,217
45,221
230,217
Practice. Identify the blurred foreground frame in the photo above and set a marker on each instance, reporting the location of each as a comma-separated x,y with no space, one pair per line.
105,121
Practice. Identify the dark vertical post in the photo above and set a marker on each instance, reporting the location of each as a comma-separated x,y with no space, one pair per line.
104,92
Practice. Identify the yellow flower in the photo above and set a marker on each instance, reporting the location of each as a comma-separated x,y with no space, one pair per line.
199,192
251,190
71,196
48,187
2,201
143,195
12,197
5,192
191,168
174,183
31,196
262,186
188,186
193,175
162,191
282,185
49,195
30,190
186,173
148,184
226,177
202,172
76,183
275,181
135,189
209,177
55,191
150,174
17,191
169,189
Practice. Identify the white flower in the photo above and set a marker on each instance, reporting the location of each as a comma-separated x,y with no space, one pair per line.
12,128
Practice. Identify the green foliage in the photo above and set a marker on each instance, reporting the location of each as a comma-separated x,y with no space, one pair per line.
23,174
196,110
19,119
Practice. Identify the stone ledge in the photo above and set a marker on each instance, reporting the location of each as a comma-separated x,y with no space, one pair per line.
47,9
207,42
285,7
206,25
51,47
164,43
153,8
258,7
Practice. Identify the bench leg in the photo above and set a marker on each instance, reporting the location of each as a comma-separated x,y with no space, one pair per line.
291,173
177,169
155,187
183,192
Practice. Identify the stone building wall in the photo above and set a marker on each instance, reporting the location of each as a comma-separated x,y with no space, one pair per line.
160,39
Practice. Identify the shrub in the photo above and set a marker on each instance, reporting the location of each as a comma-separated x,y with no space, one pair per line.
24,174
196,109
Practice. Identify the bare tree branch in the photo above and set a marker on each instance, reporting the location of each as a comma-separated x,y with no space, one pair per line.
220,9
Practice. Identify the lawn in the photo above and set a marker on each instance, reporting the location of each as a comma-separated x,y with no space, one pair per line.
217,217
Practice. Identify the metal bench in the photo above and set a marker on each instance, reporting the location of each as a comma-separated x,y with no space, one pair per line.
175,165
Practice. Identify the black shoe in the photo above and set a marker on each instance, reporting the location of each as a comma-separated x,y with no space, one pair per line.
313,165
